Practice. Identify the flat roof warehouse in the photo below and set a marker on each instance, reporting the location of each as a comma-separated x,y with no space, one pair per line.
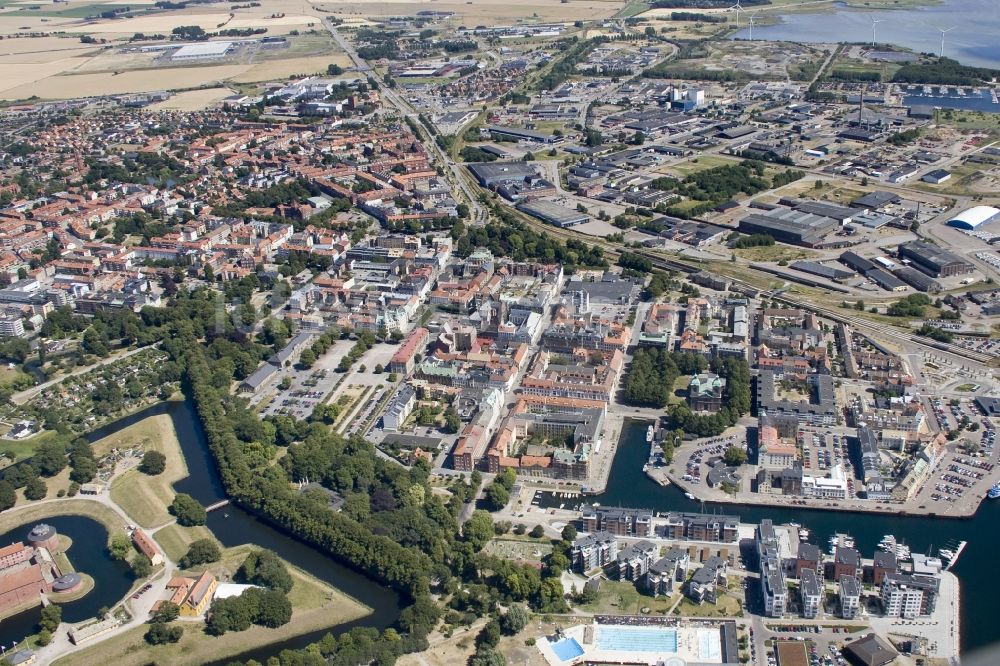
200,51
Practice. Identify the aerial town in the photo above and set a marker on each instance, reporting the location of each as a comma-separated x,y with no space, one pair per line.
578,332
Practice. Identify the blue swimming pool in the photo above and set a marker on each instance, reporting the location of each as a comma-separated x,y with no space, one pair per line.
567,649
636,639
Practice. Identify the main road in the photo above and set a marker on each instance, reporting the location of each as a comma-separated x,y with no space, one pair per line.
402,106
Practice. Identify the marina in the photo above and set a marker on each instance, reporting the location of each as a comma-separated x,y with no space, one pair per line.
629,486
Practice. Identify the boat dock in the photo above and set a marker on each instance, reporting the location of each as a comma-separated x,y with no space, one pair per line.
958,551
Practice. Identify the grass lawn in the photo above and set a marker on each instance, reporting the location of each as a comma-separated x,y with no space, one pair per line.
146,498
775,252
25,448
624,599
10,375
696,164
315,604
175,539
726,607
65,507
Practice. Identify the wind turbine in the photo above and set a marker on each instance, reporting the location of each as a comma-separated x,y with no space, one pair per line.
875,22
943,31
751,26
738,8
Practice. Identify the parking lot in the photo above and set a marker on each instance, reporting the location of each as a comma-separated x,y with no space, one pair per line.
307,387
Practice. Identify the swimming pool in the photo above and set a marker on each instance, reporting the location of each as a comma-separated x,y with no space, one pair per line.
636,639
566,649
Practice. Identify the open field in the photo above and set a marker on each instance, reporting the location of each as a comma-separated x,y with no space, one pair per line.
54,67
775,252
193,100
270,70
485,11
694,165
144,497
619,598
316,606
726,607
175,539
87,85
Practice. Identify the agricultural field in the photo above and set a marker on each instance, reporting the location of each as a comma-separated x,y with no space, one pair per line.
475,12
56,67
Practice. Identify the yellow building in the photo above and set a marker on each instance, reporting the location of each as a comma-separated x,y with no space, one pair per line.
199,596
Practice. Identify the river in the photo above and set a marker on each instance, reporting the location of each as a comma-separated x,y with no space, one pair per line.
231,525
972,39
628,486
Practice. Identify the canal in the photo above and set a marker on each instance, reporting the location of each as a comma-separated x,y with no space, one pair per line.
628,486
231,525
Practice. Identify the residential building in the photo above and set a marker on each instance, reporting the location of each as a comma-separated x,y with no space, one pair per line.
635,559
669,569
705,582
909,595
594,550
849,591
811,593
399,408
618,521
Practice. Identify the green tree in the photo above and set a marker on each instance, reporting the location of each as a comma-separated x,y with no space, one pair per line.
201,551
514,620
273,608
119,546
497,496
36,489
569,533
153,463
8,496
168,611
735,456
187,510
50,458
265,568
141,567
537,532
478,530
44,637
51,617
160,633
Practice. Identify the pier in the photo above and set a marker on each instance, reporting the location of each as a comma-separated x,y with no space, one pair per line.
958,551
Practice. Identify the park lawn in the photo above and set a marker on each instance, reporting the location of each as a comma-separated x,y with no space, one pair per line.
146,498
726,607
53,483
175,539
622,598
25,448
315,606
9,375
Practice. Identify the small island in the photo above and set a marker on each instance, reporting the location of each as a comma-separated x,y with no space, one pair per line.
38,569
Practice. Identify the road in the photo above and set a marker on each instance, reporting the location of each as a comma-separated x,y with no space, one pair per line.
458,177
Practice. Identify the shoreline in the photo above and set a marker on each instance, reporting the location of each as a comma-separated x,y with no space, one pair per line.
781,502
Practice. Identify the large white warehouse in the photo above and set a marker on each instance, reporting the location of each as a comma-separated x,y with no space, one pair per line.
974,217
